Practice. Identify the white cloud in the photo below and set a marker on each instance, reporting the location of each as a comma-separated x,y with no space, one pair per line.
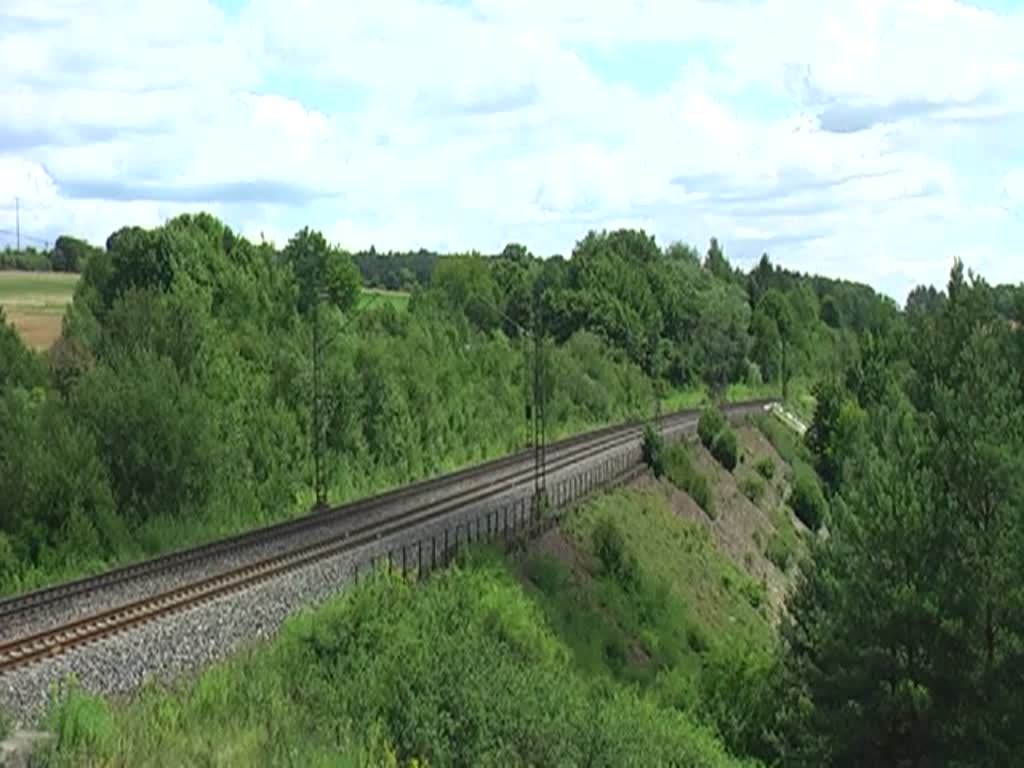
485,124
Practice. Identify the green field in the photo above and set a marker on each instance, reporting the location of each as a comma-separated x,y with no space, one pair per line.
380,297
26,286
34,303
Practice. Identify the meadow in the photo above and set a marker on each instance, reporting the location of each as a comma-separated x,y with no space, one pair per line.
35,302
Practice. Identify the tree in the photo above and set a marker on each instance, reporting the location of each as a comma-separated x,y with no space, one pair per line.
864,641
469,287
683,253
834,430
70,254
716,263
515,273
907,634
322,271
19,367
831,315
773,326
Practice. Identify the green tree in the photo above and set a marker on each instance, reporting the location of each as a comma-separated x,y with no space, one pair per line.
834,430
865,641
322,271
906,642
70,254
773,326
19,367
469,287
716,263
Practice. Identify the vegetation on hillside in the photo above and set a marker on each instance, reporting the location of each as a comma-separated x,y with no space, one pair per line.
463,671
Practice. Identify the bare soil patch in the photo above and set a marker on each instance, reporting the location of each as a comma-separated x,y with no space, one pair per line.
39,330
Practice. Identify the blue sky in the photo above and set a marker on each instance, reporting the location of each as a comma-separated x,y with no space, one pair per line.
873,140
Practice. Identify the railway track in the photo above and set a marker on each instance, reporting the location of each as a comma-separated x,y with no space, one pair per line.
42,599
383,516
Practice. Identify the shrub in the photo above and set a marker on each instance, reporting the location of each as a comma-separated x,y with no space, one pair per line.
610,548
780,551
725,449
82,724
654,451
683,475
753,488
782,437
712,421
806,498
765,468
754,592
700,489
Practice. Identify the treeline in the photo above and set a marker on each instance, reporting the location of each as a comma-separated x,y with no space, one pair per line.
69,254
904,640
685,320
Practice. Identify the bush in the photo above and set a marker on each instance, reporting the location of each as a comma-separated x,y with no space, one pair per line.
700,489
807,499
753,488
754,592
683,475
712,421
654,451
765,468
780,551
725,449
610,548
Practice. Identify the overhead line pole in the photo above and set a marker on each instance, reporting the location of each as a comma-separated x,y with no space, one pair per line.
536,411
319,417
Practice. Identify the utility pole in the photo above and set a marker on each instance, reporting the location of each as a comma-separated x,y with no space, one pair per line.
17,221
784,382
539,419
319,481
536,417
320,415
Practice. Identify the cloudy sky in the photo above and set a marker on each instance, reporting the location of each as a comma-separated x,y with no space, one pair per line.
873,139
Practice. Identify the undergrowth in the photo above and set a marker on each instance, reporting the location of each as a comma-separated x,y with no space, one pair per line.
681,473
6,723
463,671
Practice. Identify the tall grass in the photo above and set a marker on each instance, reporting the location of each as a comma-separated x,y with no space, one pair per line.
463,671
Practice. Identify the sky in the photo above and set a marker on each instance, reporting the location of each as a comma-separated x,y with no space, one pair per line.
872,140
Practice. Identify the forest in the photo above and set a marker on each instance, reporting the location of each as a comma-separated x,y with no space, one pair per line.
176,407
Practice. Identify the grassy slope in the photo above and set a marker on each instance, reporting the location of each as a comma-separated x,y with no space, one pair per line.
462,671
687,609
659,624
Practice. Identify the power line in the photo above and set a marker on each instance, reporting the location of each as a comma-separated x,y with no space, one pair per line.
20,236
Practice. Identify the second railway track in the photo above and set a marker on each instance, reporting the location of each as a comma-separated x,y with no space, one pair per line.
487,481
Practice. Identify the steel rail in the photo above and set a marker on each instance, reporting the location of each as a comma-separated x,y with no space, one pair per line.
41,598
76,633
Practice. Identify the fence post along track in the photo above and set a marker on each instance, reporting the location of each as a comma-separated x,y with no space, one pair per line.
433,510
